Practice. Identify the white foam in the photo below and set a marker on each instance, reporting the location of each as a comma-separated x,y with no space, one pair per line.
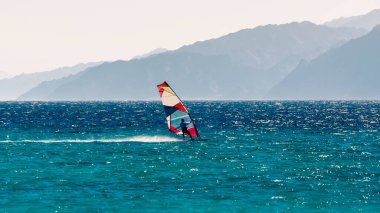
154,139
144,139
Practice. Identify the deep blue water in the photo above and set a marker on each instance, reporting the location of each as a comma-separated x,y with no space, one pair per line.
119,156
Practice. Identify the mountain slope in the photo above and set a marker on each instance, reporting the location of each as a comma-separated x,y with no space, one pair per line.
349,72
367,21
43,89
265,46
4,75
12,88
241,65
275,49
153,52
136,79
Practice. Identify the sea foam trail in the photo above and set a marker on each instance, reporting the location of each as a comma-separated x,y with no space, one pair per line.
143,139
153,139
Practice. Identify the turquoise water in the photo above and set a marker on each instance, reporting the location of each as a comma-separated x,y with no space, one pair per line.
119,156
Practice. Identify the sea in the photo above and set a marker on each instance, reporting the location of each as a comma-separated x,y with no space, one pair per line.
261,156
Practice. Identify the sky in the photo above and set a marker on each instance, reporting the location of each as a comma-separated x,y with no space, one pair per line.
42,35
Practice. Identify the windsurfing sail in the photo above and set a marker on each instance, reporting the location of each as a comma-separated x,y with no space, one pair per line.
175,111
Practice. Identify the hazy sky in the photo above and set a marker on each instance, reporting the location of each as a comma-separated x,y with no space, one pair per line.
39,35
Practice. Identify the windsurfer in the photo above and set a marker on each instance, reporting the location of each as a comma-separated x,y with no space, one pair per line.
183,126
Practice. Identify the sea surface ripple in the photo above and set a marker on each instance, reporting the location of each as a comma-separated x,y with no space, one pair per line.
317,156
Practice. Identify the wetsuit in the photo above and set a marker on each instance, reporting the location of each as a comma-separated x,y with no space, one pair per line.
184,128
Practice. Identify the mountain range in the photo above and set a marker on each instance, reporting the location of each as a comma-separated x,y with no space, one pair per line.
240,65
12,88
351,71
367,21
336,60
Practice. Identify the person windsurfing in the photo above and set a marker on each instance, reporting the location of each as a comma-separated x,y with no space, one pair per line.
183,126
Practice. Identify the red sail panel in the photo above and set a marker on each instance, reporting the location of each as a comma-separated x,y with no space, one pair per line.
175,130
193,132
181,107
160,90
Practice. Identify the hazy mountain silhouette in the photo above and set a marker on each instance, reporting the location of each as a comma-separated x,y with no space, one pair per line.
153,52
45,88
4,75
241,65
137,79
351,71
275,49
367,21
13,87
